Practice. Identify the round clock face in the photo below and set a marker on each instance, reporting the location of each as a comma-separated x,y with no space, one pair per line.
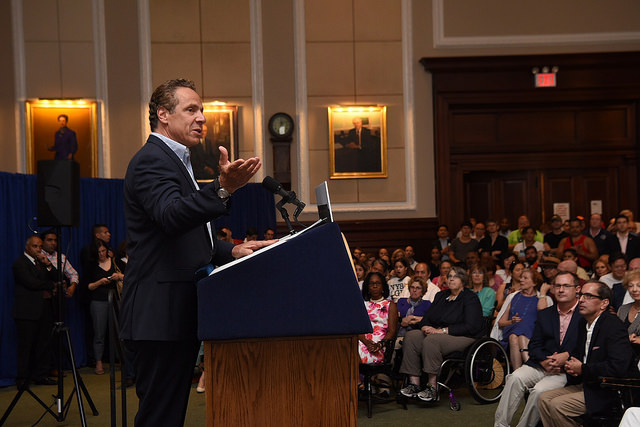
281,125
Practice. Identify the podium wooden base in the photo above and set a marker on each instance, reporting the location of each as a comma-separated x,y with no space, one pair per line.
304,381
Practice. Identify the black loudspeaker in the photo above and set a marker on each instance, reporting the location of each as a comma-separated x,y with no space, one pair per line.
58,193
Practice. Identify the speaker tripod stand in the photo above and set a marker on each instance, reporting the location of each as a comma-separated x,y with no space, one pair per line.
60,335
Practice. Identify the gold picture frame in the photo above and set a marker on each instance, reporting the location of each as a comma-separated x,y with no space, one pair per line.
41,120
358,141
221,129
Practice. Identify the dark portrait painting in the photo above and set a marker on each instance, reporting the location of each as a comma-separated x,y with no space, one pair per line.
220,129
358,142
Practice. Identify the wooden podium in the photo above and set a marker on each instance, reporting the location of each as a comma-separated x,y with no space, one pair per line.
281,347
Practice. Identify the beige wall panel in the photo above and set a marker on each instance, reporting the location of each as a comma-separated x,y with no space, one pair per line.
78,70
225,21
378,68
42,70
378,20
497,17
175,21
330,69
341,190
173,60
7,93
328,20
318,124
76,21
40,18
391,189
226,69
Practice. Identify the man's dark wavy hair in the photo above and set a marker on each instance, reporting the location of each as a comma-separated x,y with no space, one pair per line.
164,96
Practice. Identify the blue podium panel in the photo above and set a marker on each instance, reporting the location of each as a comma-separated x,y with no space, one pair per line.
304,286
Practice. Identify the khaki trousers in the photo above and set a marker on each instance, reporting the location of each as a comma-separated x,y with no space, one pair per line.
431,349
559,407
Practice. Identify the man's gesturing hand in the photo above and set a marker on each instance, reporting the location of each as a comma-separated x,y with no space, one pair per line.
235,175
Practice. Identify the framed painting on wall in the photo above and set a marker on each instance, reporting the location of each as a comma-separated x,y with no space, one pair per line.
62,129
358,141
220,128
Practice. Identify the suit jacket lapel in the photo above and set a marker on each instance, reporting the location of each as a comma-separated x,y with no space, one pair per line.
174,158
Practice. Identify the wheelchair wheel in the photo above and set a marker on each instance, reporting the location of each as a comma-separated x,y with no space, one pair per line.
486,368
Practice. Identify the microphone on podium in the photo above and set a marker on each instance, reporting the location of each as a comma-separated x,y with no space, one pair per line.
287,196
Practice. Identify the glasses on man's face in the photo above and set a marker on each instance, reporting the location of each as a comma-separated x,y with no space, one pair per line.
563,286
587,296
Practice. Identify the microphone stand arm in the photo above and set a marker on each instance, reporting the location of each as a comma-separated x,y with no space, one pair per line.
285,215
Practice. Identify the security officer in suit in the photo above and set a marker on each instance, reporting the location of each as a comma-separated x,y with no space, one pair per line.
35,278
169,240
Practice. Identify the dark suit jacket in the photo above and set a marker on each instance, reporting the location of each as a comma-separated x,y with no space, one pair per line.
633,246
31,283
610,355
546,336
167,242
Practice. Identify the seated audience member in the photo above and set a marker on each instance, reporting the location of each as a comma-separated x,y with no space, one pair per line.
614,279
493,243
584,246
396,255
472,259
487,262
519,318
511,285
600,268
410,254
270,234
571,255
598,234
412,308
441,281
383,253
553,238
505,228
480,285
528,239
422,272
384,318
463,244
479,231
505,266
554,338
251,234
34,277
398,282
516,235
443,242
104,276
434,263
379,266
628,313
602,349
532,257
452,323
355,255
623,240
361,272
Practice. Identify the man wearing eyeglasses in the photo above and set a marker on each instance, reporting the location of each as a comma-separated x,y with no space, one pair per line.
554,337
603,349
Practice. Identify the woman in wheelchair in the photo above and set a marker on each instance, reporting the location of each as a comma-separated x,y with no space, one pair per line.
453,322
519,318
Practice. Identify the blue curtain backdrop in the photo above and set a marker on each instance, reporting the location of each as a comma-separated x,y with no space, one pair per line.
101,203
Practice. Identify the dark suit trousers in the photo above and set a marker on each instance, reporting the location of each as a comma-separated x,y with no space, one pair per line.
164,370
33,350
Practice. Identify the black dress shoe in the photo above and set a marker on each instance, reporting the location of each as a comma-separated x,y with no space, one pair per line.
46,381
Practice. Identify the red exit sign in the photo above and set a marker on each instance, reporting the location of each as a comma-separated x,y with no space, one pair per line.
545,80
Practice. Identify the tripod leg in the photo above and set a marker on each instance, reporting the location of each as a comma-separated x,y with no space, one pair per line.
11,406
78,383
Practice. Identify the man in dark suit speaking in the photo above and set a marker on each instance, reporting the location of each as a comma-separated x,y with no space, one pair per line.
169,239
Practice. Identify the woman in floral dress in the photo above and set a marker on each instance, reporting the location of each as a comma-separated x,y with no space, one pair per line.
383,314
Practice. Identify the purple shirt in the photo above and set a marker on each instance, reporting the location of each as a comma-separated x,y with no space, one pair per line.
65,144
